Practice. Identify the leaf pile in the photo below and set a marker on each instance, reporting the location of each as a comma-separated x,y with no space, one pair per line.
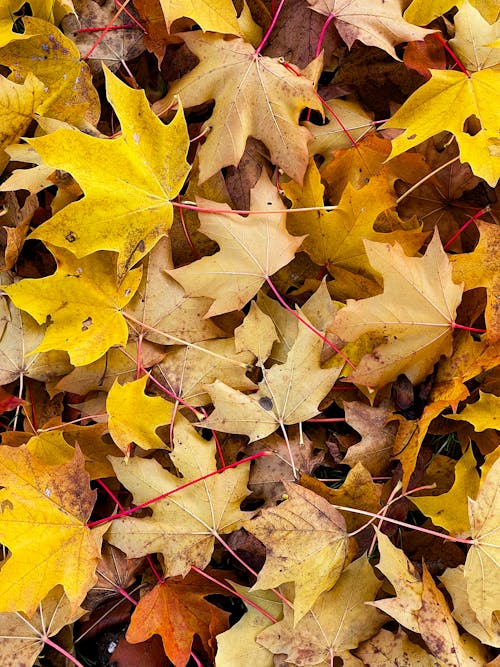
249,333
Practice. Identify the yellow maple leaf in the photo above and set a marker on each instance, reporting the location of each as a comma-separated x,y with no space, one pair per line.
182,526
483,414
254,96
473,38
129,205
43,523
289,393
449,509
82,303
18,103
423,12
124,403
482,567
415,314
250,250
338,621
210,15
43,51
306,543
427,112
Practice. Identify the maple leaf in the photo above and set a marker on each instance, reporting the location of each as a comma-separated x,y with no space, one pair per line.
163,308
177,610
82,303
237,646
335,238
306,543
482,414
35,497
388,649
123,403
376,23
449,509
422,12
414,314
480,269
210,15
375,449
254,96
338,621
427,112
43,51
22,639
187,370
482,563
18,102
183,525
150,167
251,249
456,585
473,36
289,393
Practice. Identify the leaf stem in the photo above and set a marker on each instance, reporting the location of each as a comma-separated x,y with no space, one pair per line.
180,341
62,651
321,37
444,43
477,215
269,30
188,206
426,178
306,323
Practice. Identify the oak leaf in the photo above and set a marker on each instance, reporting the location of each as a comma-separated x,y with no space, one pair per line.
149,169
289,393
254,96
415,314
182,526
82,302
251,249
306,543
36,496
376,23
177,610
338,621
427,112
124,403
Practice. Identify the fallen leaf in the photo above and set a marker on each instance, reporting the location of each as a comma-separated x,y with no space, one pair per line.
82,302
23,639
124,403
482,566
479,269
339,620
35,496
254,96
183,525
482,414
473,35
149,171
376,23
422,13
306,543
427,112
449,510
415,314
388,649
178,610
251,249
